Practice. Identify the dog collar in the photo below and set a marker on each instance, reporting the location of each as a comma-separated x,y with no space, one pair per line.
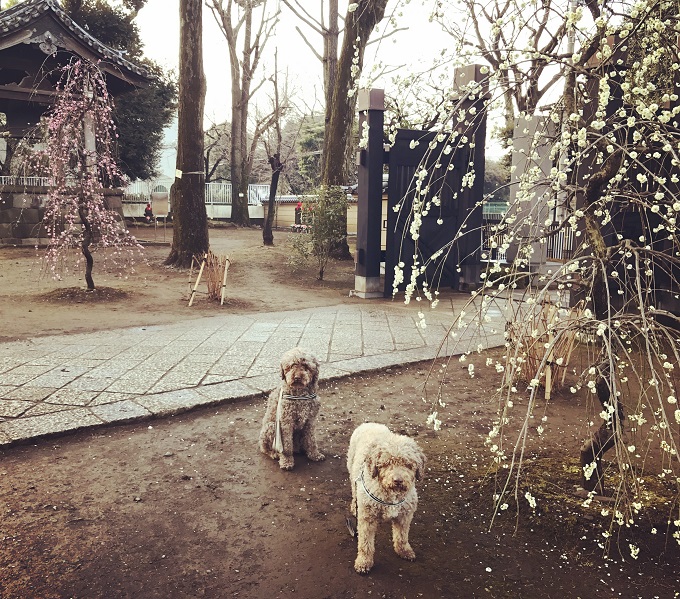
373,497
299,397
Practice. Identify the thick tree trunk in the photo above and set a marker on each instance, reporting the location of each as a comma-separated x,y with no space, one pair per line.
605,437
268,229
187,195
358,27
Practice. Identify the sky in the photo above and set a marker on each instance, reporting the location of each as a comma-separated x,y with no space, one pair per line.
158,24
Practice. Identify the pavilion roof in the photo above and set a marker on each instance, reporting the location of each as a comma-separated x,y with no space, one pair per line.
45,24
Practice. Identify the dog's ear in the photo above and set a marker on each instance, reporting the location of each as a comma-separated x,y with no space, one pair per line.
283,373
378,457
420,464
314,364
371,459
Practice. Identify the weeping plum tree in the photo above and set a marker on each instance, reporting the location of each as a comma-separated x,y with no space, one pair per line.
79,158
612,185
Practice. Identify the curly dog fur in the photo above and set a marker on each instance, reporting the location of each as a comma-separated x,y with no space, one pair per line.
297,417
383,469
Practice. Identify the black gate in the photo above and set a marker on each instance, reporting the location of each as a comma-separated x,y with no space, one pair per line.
450,212
450,235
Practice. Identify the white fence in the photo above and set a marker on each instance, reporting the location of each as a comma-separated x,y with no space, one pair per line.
218,197
26,181
215,193
559,246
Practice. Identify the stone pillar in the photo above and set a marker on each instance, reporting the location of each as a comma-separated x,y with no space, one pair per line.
371,106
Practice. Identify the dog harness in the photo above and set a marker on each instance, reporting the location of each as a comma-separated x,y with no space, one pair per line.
278,439
351,525
373,497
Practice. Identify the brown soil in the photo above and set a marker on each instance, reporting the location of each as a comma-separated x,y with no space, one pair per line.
187,507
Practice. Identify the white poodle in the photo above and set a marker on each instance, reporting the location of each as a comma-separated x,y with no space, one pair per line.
289,423
383,469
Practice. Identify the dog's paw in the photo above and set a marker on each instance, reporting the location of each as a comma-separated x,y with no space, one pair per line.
286,463
317,457
405,552
269,453
363,565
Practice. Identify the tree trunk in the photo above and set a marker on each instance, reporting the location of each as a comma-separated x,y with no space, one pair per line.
267,231
330,56
187,194
239,176
85,248
605,437
11,144
240,94
358,27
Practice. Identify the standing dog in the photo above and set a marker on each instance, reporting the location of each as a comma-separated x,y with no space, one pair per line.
383,469
289,423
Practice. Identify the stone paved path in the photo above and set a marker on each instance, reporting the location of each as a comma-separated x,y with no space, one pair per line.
55,384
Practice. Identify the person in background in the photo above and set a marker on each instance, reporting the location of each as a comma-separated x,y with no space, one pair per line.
298,213
148,214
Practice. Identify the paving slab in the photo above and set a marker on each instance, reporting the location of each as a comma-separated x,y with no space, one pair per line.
53,385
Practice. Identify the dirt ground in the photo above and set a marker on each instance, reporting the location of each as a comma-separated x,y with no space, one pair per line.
187,507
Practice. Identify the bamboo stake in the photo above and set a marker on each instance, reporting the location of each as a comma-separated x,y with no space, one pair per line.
198,280
224,280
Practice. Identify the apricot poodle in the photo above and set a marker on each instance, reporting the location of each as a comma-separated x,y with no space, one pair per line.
289,423
383,469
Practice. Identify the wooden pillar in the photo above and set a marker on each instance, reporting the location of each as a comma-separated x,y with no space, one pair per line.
370,159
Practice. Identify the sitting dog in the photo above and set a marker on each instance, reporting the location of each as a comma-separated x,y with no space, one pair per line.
383,469
289,423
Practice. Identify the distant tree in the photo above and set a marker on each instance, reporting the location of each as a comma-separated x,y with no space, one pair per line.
360,21
273,143
238,21
493,30
496,180
140,115
216,152
187,195
310,147
111,25
328,27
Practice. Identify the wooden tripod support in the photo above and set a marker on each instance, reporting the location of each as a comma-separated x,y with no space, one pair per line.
224,281
198,279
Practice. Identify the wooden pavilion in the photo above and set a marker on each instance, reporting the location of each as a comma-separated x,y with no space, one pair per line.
36,38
